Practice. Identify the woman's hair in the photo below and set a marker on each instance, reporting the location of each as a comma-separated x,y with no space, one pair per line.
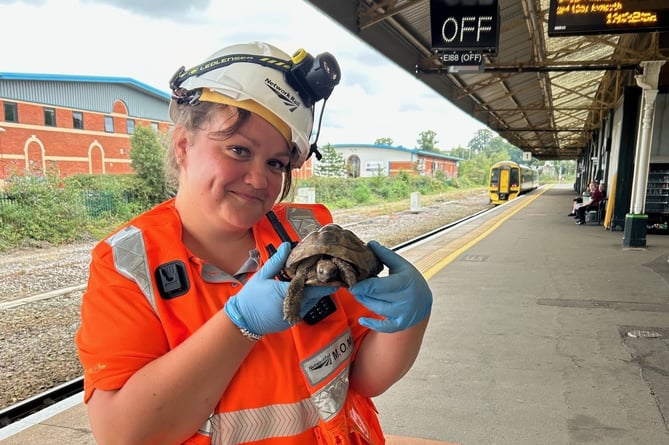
192,117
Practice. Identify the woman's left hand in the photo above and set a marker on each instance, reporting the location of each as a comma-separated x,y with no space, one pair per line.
403,297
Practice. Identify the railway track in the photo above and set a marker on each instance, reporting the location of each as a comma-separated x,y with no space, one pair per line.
41,401
43,296
31,405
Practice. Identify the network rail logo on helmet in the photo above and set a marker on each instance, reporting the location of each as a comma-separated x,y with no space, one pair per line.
291,101
230,72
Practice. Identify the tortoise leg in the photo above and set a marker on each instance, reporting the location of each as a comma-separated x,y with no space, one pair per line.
347,272
293,301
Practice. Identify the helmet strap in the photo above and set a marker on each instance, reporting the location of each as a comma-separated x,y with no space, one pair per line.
313,149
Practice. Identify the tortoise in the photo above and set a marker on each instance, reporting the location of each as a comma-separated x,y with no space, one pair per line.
329,256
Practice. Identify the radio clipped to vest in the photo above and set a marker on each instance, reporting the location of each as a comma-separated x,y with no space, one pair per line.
302,219
172,279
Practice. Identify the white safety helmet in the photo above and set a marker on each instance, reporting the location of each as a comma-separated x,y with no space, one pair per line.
258,74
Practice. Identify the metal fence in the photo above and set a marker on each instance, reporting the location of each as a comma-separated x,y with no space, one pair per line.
96,203
6,201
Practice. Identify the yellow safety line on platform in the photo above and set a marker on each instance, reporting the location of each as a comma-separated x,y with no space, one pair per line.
432,271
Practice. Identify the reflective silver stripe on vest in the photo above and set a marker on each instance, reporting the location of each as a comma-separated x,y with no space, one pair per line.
250,425
330,399
130,260
205,429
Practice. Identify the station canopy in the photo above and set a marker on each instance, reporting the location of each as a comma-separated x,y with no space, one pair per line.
544,94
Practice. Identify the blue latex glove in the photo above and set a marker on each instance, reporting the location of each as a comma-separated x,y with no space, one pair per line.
258,307
403,297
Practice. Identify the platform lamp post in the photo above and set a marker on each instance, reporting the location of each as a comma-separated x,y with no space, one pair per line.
636,219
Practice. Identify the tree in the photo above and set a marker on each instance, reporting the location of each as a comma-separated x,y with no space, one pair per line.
480,141
331,164
460,152
428,141
474,171
148,161
384,141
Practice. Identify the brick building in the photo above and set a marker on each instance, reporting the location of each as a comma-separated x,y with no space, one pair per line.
76,124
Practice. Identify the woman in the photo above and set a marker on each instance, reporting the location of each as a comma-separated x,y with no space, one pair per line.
596,196
183,338
578,201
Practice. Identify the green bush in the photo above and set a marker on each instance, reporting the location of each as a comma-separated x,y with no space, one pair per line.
40,209
328,189
361,194
348,192
36,210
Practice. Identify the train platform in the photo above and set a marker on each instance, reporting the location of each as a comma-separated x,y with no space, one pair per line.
543,332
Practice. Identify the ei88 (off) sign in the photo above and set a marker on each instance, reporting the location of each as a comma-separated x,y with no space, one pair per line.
465,25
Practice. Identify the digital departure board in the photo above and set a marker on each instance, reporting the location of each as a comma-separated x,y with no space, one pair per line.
582,17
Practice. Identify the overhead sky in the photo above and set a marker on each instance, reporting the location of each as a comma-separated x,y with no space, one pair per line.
148,40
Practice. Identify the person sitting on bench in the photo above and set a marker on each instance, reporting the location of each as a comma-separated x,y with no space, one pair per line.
596,196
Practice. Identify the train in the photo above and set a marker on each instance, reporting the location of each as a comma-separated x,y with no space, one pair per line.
509,179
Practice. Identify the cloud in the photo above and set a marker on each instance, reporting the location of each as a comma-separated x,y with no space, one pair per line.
149,40
409,107
27,2
175,9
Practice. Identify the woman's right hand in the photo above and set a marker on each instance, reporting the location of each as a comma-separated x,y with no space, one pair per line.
258,307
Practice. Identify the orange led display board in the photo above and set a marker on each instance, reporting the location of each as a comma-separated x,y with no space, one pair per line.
583,17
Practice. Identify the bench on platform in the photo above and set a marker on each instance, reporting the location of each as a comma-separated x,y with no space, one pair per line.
596,216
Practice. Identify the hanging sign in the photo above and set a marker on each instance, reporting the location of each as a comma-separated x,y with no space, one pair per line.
583,17
465,25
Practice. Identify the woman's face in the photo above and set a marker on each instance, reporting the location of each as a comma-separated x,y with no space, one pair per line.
231,181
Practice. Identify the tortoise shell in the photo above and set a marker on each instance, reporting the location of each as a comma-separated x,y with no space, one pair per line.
333,242
329,256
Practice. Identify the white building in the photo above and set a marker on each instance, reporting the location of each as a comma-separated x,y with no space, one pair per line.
366,160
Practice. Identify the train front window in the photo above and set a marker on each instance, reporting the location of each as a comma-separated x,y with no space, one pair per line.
494,178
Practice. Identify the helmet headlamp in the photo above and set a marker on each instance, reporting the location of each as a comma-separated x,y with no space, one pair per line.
313,77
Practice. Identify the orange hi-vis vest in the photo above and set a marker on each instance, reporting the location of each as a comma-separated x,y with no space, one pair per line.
293,386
